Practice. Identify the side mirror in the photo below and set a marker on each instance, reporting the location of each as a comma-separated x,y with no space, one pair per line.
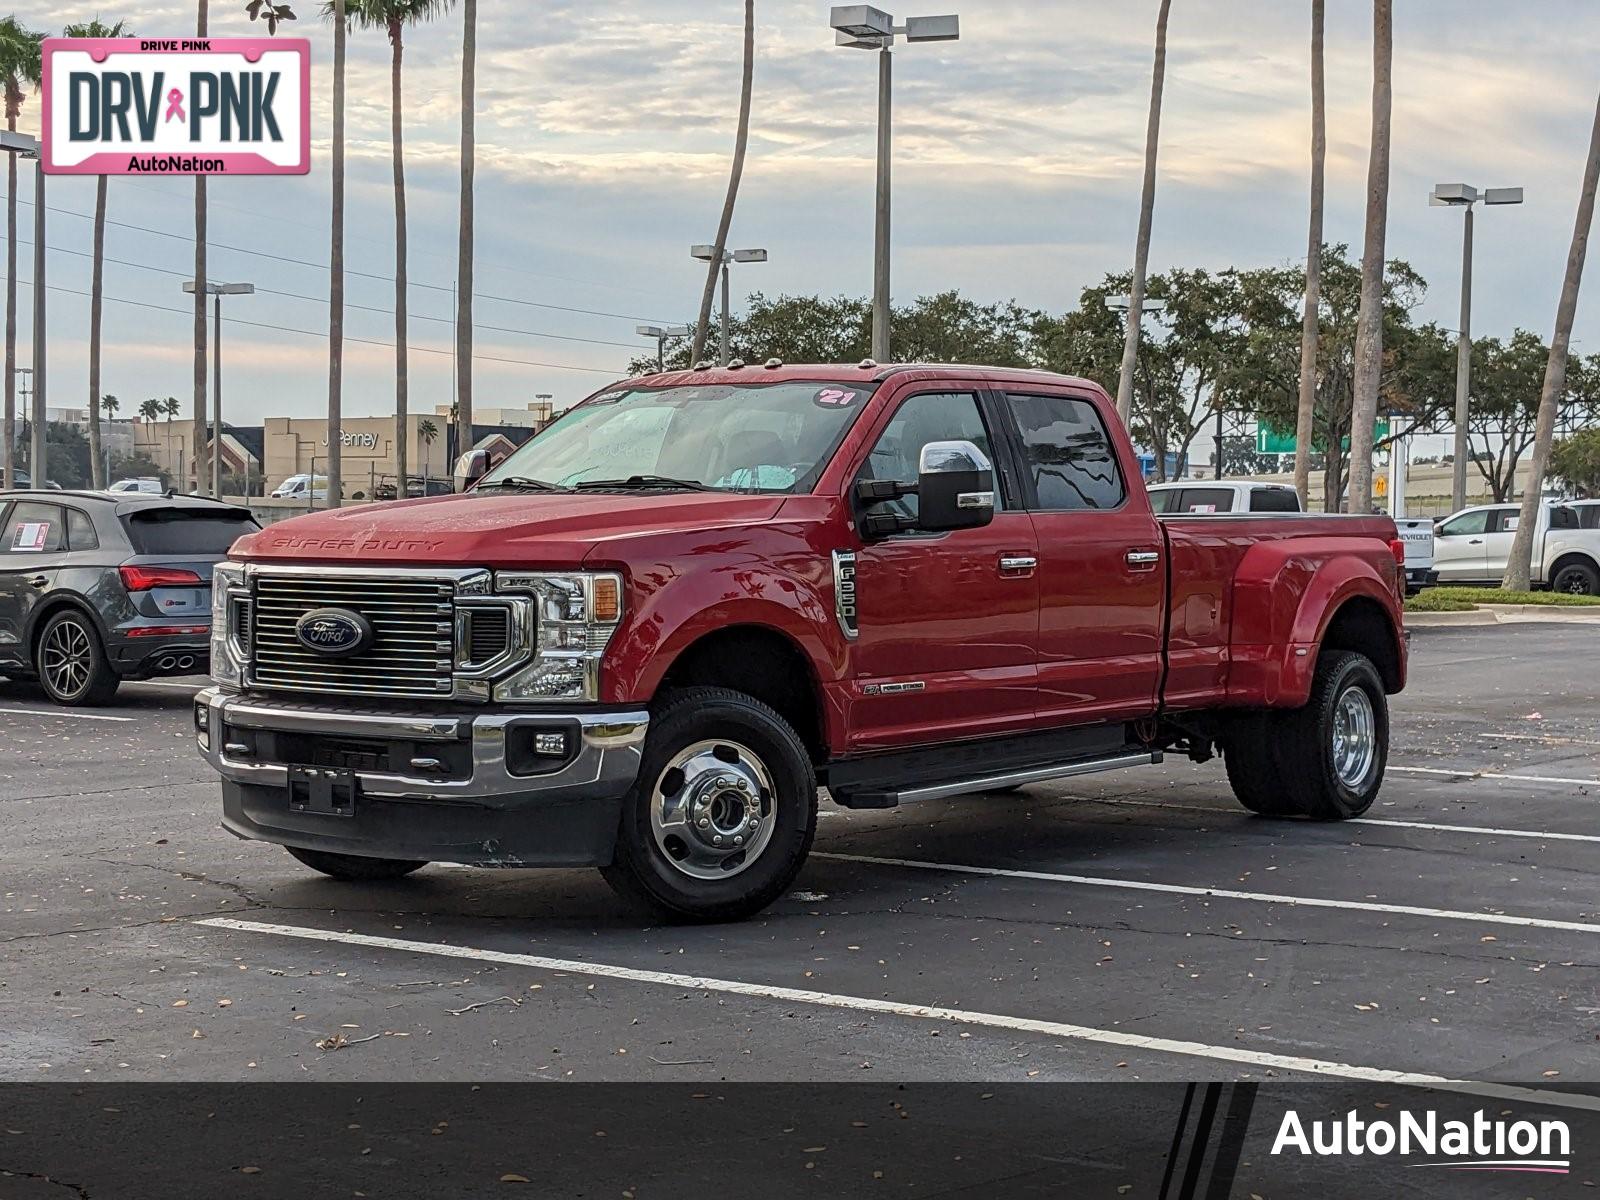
471,467
955,487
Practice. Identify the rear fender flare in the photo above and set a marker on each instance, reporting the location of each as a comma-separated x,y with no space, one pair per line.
1285,595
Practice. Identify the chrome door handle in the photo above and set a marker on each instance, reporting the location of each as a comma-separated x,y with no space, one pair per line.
1475,542
1143,558
1018,562
39,581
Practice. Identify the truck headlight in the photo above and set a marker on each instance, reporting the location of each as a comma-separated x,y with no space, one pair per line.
227,610
574,615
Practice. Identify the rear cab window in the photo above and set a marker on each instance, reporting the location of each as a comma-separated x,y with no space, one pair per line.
1206,500
1274,499
182,531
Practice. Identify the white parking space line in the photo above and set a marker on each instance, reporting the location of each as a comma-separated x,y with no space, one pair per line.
64,713
1178,889
762,991
177,687
1470,774
1539,835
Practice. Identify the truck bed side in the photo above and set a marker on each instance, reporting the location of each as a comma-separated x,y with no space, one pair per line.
1252,599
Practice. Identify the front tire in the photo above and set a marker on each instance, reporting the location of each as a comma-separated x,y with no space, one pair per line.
723,813
355,868
71,662
1324,761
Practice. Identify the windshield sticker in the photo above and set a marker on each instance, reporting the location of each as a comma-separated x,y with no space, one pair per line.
31,537
834,398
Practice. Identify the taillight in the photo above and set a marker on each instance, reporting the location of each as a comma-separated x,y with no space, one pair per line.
1397,547
142,579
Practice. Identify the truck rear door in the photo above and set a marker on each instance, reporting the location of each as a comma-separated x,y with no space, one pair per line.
1101,579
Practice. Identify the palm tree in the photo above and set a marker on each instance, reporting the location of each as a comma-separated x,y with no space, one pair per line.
199,441
20,69
1369,323
1147,205
95,29
740,141
149,410
393,16
1308,325
1519,567
110,404
427,432
464,252
336,267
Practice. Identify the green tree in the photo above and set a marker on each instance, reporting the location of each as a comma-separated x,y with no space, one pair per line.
96,29
1506,378
109,405
427,434
67,454
20,69
1576,461
392,16
272,14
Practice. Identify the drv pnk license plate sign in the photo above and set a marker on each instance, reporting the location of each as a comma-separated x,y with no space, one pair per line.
173,106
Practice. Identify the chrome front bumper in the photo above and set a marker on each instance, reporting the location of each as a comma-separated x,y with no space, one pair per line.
493,816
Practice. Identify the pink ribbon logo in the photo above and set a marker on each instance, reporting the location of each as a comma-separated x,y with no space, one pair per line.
175,105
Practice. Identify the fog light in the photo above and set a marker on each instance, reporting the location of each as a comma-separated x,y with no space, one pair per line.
553,745
202,726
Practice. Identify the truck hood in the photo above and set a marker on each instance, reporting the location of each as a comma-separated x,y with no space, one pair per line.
499,529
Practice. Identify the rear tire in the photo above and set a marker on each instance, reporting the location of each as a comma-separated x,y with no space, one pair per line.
1577,579
355,868
723,813
71,662
1324,761
1252,766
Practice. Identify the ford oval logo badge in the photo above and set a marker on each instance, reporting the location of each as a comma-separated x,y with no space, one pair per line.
336,632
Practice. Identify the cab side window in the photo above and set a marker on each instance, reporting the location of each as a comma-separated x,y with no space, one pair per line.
1466,523
34,529
920,419
1068,455
1274,500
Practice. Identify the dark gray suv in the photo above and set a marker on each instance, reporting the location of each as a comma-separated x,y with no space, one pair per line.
96,588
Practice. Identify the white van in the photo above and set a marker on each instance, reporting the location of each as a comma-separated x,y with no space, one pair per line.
144,485
299,487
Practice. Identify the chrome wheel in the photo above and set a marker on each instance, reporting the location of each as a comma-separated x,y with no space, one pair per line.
67,658
711,810
1355,738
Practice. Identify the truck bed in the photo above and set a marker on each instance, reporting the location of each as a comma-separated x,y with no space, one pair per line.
1204,555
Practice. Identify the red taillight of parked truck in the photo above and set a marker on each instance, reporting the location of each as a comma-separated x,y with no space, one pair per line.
1397,547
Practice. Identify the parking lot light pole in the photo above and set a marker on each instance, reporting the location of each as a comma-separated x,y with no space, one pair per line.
705,254
1462,195
218,291
661,333
863,27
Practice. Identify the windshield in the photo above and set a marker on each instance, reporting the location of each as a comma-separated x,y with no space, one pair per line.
773,438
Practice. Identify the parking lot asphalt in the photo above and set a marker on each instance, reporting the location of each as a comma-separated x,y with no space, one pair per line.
1130,926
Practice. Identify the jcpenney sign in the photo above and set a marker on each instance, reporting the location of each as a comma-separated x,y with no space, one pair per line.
150,106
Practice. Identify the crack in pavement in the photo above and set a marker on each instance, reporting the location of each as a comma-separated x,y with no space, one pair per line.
76,1188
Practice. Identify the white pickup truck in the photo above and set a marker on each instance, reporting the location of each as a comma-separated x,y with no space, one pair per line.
1473,545
1215,497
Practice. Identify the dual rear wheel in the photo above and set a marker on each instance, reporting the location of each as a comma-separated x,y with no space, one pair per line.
1324,761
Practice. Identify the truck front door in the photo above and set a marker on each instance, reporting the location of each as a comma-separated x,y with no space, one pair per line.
945,623
1102,581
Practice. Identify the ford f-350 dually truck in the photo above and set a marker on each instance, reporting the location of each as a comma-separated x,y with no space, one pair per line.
644,640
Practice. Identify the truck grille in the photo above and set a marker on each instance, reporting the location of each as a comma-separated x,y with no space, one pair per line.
413,639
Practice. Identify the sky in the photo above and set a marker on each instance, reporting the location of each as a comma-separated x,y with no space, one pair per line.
605,132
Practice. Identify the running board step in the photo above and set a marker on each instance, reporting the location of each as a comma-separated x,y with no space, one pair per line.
1006,779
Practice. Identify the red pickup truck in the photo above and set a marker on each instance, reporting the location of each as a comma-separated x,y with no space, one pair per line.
644,640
